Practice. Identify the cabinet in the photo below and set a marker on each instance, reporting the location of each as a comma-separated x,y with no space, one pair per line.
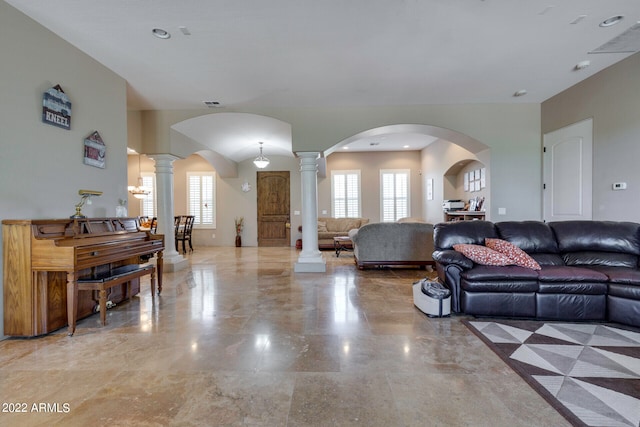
463,215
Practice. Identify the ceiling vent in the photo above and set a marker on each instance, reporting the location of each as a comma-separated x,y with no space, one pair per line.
212,104
627,42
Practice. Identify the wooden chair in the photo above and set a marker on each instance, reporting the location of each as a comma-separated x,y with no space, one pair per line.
154,225
184,227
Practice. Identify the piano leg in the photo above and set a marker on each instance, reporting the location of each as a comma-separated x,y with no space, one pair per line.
72,300
159,264
102,301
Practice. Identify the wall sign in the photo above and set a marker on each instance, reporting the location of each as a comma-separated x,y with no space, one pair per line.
56,108
94,150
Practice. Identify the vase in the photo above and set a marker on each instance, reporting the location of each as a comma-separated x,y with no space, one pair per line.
238,241
121,211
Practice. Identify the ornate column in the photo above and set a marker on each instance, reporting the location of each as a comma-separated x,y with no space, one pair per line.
173,261
310,259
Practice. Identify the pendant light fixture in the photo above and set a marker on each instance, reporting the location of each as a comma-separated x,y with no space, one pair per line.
139,191
261,161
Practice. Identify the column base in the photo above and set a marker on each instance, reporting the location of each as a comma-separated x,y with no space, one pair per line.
310,265
174,263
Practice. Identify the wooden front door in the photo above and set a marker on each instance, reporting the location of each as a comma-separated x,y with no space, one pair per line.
273,209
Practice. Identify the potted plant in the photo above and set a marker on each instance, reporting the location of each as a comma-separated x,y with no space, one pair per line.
239,222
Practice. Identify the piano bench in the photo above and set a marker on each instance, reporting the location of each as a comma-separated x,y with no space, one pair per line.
116,276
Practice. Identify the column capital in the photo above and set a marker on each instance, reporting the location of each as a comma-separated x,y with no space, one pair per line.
308,154
159,157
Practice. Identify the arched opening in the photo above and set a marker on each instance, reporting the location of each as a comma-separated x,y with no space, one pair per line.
438,155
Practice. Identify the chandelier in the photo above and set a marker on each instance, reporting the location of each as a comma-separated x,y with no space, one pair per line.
139,191
261,161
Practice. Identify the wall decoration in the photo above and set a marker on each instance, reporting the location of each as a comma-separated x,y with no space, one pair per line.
94,150
430,189
483,177
56,108
466,181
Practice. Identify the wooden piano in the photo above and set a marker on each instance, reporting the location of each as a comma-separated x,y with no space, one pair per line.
43,260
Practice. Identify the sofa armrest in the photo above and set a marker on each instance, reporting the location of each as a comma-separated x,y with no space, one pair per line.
449,256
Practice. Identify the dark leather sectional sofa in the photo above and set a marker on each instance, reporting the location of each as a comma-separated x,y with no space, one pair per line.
589,270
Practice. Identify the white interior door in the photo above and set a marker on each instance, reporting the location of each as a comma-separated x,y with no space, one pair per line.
568,164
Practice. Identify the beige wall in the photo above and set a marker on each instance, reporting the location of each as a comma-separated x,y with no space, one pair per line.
369,165
42,165
612,99
511,131
438,159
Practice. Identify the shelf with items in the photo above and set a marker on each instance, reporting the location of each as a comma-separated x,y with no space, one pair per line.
464,215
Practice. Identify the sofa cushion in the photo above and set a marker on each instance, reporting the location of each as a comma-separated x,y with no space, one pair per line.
483,255
484,278
517,255
447,234
547,259
342,224
570,274
490,272
611,259
530,236
322,227
620,274
331,234
606,236
624,291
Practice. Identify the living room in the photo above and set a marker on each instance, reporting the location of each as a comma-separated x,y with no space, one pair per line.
510,133
44,170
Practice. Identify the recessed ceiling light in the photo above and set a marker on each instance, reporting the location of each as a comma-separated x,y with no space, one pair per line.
521,92
611,21
405,146
345,148
160,33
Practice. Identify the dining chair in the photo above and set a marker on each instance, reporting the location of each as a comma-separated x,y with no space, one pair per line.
184,228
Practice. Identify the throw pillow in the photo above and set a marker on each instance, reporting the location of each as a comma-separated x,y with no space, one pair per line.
517,255
482,255
322,227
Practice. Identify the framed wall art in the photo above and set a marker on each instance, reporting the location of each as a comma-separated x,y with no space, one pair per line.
94,150
56,108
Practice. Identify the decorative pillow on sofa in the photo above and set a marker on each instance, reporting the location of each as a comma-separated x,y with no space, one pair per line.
322,226
482,254
517,255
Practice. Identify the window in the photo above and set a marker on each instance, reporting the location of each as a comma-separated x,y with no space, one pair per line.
345,193
148,204
394,185
201,198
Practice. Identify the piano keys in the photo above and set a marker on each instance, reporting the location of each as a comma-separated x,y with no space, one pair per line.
44,258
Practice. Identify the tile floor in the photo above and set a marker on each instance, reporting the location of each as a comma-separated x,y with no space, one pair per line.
240,339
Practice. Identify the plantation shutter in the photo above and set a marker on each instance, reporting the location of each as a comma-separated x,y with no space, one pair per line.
395,195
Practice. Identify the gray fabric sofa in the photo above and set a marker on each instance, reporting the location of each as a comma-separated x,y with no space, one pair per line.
391,243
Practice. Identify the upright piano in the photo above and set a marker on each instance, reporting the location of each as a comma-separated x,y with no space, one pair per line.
43,259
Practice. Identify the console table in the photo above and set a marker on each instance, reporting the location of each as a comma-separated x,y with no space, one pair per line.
463,215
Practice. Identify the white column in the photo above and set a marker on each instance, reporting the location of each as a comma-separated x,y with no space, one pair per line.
173,261
310,259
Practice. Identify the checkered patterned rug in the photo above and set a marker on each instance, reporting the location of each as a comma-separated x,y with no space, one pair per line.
589,372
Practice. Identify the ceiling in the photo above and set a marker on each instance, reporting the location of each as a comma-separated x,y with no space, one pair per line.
248,54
